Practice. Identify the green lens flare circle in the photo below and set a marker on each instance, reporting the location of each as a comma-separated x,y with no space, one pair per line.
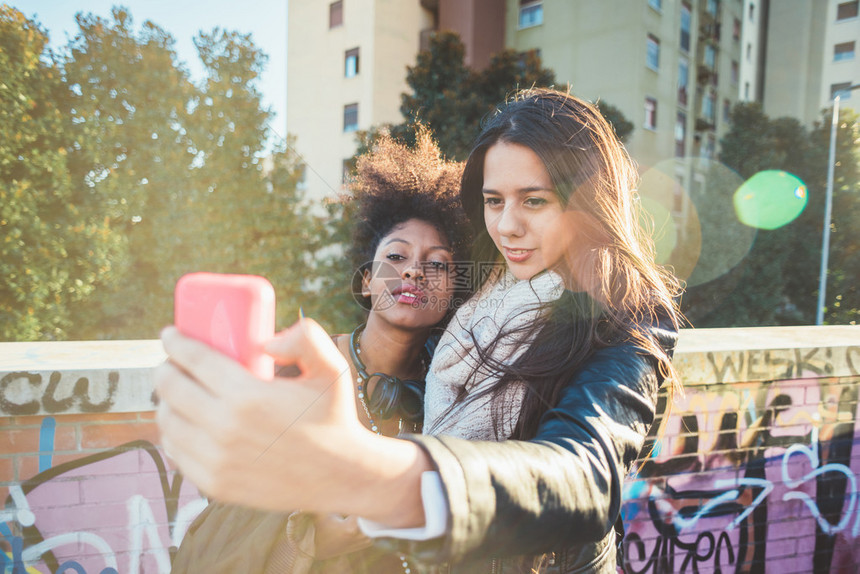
770,199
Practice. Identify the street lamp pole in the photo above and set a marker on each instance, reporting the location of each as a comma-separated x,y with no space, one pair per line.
828,207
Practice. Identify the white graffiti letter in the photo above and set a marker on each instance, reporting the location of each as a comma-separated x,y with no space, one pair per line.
141,520
184,517
812,455
766,488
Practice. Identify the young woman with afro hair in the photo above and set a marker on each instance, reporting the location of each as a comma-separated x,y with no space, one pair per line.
409,233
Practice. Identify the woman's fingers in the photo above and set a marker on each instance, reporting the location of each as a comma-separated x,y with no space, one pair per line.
307,345
218,373
279,444
186,397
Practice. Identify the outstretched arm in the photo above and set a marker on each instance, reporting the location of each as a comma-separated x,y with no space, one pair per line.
561,488
291,443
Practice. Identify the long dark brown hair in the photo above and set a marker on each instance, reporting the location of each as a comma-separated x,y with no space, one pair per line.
616,292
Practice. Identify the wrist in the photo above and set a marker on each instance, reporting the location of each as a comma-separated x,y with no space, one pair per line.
389,483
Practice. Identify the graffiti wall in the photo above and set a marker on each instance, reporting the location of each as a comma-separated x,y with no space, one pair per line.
117,511
86,488
754,475
754,469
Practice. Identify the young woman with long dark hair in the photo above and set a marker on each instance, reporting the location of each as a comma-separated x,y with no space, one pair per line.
540,395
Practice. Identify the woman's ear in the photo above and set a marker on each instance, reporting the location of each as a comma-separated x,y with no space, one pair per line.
365,283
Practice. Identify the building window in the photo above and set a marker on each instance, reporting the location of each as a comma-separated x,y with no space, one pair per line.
678,195
653,53
302,177
710,57
424,38
698,185
708,107
346,170
686,20
335,14
749,52
846,10
350,117
651,113
727,110
752,12
711,7
350,67
531,13
683,81
735,73
843,51
736,29
680,134
710,147
656,4
746,91
841,89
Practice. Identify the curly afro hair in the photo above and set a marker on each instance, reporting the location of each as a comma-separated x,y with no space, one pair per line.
394,183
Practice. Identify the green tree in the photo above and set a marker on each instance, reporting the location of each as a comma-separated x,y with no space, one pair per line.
777,281
228,129
142,175
754,292
453,99
205,202
842,302
622,126
130,106
295,246
56,237
439,96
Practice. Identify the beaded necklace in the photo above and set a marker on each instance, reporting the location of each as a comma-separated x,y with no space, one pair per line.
392,395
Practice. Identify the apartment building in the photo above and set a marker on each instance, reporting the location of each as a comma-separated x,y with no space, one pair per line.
346,69
753,25
811,56
673,67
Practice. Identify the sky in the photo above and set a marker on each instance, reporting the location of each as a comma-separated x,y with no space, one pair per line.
265,20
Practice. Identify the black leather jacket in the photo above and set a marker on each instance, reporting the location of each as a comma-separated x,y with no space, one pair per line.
558,495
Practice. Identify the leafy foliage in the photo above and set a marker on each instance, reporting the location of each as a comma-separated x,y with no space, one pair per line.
57,240
622,126
119,174
777,282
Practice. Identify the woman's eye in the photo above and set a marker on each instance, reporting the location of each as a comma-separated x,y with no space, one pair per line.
438,265
535,201
492,201
395,257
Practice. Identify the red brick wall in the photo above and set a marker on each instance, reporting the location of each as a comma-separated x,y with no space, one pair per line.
757,471
104,496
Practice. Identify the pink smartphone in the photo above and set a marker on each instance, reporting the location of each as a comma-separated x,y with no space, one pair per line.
232,313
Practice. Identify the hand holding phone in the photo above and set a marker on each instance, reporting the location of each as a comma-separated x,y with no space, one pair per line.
234,314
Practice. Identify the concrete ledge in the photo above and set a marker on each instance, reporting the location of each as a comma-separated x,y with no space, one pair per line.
706,356
77,377
115,376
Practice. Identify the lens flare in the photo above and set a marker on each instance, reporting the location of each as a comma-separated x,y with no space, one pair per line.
662,226
770,199
690,201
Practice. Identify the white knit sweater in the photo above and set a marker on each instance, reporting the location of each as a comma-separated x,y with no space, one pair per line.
499,307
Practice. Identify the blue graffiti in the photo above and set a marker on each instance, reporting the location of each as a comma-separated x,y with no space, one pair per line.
46,443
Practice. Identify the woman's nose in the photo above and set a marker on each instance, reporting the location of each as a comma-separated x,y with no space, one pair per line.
510,223
414,271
